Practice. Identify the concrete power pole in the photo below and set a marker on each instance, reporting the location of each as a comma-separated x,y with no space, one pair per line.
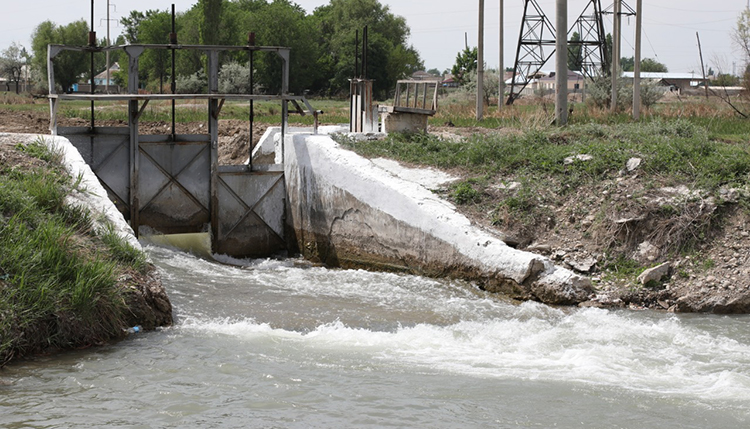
637,65
501,66
480,64
561,69
616,52
106,84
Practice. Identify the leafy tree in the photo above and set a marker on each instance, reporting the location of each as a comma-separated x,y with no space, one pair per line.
68,65
155,29
283,23
725,79
575,53
210,21
741,33
628,64
466,64
648,65
132,25
434,72
11,63
389,56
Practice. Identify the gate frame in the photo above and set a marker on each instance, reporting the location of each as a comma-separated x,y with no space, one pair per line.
138,102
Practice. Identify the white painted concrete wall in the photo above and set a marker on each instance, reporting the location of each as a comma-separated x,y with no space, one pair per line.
316,166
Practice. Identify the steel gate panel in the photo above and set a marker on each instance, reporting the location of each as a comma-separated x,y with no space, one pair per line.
174,185
106,151
251,213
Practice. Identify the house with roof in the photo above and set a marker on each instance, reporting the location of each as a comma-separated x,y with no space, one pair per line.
101,78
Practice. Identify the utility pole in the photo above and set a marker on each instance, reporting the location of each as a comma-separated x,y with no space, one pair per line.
106,84
561,66
703,68
501,66
637,65
616,52
480,64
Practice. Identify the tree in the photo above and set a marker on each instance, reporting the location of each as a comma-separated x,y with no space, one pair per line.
132,24
725,79
11,63
575,53
210,21
741,33
68,65
466,64
627,63
155,29
283,23
389,56
648,65
434,72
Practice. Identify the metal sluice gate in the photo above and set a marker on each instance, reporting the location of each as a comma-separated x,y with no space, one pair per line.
173,183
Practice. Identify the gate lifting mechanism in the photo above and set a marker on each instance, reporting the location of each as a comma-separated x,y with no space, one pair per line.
174,183
363,116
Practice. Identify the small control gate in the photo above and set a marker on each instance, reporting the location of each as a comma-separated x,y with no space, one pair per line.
173,183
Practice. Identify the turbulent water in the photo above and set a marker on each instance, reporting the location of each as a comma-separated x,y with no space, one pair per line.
283,344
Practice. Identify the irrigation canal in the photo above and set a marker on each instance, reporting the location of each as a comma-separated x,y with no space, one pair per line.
281,344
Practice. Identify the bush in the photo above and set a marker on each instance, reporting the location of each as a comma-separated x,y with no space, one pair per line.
600,92
234,78
196,83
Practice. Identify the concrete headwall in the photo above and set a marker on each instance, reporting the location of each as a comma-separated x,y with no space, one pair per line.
345,211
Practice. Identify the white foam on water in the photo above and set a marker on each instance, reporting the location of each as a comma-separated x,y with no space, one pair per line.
461,330
588,346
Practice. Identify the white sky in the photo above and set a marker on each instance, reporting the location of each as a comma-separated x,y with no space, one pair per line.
438,26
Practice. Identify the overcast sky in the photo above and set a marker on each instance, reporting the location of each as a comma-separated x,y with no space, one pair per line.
438,26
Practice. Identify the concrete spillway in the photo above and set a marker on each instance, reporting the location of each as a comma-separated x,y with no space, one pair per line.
344,210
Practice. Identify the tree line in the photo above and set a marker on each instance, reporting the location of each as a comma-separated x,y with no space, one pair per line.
322,45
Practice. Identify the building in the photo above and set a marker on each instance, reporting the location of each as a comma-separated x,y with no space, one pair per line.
676,82
549,82
101,78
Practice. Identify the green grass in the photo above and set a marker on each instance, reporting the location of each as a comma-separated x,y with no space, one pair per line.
335,111
58,283
677,148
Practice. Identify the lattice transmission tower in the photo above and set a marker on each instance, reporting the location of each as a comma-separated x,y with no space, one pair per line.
536,44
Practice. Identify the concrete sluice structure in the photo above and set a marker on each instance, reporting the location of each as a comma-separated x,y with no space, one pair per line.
315,199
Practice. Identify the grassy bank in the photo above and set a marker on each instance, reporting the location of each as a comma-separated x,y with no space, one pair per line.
548,181
58,278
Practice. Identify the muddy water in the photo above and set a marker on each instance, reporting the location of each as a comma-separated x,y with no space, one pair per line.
282,344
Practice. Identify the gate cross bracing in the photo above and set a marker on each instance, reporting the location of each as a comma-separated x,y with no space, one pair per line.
173,183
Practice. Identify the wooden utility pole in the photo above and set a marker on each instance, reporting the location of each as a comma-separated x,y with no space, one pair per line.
703,68
637,65
616,52
561,66
480,64
501,66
